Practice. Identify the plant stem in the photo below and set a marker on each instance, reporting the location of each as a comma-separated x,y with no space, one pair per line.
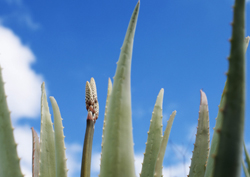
87,148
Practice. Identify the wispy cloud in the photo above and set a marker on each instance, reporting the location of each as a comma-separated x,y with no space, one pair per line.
28,20
18,13
14,2
22,83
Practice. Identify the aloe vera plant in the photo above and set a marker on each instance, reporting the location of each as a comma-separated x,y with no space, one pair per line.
8,152
117,158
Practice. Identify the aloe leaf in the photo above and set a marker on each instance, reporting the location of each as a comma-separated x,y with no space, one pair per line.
9,160
160,157
246,42
35,153
154,138
247,157
47,144
245,169
215,139
201,146
61,167
106,107
117,153
228,157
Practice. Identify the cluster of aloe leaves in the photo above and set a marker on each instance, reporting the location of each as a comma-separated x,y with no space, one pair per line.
224,158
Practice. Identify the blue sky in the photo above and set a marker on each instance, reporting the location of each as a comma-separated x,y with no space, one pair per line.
180,46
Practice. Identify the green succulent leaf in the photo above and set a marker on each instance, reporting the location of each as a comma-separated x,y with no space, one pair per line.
117,153
228,157
47,140
9,160
215,139
160,157
201,146
245,169
106,107
154,138
61,167
247,157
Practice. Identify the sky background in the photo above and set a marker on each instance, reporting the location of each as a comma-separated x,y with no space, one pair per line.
180,46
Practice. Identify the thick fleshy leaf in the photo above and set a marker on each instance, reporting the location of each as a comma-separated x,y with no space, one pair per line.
118,153
245,169
106,107
229,154
201,146
9,160
61,167
47,140
160,157
215,139
154,138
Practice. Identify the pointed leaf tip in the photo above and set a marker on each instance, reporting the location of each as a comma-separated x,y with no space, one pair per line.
246,42
120,140
52,98
109,82
154,138
203,98
43,86
160,98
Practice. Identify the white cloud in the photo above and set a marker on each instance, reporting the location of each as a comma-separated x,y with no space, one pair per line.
176,170
95,162
22,83
23,138
138,163
24,92
74,156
